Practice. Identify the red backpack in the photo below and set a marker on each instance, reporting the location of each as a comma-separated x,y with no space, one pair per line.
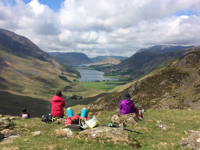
138,112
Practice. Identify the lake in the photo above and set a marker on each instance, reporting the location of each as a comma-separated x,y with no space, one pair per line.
92,75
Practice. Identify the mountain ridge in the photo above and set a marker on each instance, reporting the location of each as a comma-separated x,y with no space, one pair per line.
176,86
73,58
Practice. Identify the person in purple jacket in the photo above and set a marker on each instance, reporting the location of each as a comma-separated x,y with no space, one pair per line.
126,106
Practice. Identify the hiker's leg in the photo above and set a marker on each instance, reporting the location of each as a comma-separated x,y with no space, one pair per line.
84,113
69,112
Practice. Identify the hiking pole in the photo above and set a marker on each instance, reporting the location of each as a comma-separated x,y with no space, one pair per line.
115,126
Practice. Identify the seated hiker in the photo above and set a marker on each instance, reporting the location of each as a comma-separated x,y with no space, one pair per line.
74,119
57,104
126,106
24,114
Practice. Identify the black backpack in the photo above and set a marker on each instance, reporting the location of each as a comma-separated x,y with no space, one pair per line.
47,118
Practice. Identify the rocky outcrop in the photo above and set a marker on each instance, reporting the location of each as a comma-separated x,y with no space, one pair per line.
125,120
116,134
4,123
192,141
66,132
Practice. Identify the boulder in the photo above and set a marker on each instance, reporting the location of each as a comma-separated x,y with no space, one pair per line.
192,141
36,133
4,122
66,132
126,119
1,115
13,118
115,134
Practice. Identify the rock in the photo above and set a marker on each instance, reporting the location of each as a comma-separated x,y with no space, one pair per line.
115,119
36,133
1,115
7,140
192,141
4,122
66,132
61,120
7,132
116,134
126,119
162,126
13,118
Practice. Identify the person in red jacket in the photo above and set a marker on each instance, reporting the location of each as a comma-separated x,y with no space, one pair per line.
57,104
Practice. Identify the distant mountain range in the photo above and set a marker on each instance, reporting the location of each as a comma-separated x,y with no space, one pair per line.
74,58
163,48
143,62
71,58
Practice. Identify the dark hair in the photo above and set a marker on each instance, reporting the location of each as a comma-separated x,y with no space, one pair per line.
24,110
127,96
58,93
75,121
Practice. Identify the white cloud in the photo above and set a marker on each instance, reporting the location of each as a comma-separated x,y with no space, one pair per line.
103,27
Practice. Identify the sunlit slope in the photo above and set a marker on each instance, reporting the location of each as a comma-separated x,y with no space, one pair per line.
28,76
175,86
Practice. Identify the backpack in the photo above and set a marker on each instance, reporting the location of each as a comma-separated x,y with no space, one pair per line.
138,112
48,118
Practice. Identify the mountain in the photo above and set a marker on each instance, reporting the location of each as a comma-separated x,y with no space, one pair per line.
28,75
54,53
100,58
21,46
143,62
163,48
176,85
72,58
108,60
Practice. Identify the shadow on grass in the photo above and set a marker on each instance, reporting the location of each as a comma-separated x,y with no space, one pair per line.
12,105
1,137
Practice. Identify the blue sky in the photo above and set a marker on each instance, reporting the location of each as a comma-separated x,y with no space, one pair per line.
53,4
103,27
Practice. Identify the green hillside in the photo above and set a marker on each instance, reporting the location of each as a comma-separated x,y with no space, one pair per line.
143,62
175,122
174,86
29,76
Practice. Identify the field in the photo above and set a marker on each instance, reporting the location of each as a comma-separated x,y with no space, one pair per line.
105,86
153,137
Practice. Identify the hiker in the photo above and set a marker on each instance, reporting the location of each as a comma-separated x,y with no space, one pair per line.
126,106
57,104
24,114
74,119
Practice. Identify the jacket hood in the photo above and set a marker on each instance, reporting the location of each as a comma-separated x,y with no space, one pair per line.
127,101
57,98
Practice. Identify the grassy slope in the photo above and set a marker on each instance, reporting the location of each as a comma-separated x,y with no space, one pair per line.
29,80
152,138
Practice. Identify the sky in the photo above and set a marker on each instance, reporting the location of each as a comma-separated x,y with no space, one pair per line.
103,27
